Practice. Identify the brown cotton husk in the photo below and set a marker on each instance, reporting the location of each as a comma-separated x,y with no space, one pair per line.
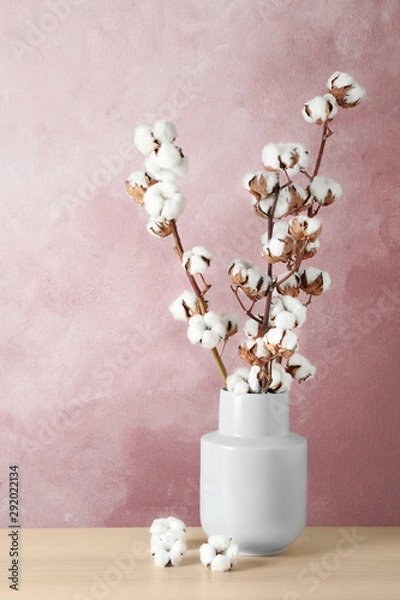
287,289
258,187
298,228
297,204
255,293
164,229
136,192
286,254
314,288
246,354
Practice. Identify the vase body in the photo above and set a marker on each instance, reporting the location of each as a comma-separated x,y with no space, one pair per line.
253,474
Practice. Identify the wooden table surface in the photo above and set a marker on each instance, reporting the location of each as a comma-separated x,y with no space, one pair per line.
326,563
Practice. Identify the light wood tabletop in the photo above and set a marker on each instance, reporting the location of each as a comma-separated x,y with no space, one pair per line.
325,563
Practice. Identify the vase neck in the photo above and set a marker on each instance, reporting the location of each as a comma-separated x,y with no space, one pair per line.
253,415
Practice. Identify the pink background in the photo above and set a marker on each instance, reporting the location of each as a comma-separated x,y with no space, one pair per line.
103,400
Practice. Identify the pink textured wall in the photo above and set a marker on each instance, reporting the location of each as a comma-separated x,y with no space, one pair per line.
103,400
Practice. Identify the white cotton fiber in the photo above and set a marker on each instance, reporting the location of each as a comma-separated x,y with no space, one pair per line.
168,156
219,553
285,320
164,131
325,190
221,562
207,553
270,157
138,178
144,140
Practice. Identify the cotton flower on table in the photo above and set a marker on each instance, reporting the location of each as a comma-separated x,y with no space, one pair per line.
168,541
219,553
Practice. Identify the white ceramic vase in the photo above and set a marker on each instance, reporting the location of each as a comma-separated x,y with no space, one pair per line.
253,475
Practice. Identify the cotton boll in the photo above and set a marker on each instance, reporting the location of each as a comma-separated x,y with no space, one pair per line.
305,228
254,382
155,171
232,552
291,286
289,342
197,260
248,277
347,91
138,178
325,190
164,131
215,323
297,308
291,200
271,158
311,249
164,200
196,329
176,553
173,207
184,307
154,201
168,156
159,227
230,322
281,381
236,384
300,368
285,320
320,109
260,184
281,342
314,281
252,328
219,542
144,140
210,339
176,524
293,157
207,553
161,558
159,526
221,562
